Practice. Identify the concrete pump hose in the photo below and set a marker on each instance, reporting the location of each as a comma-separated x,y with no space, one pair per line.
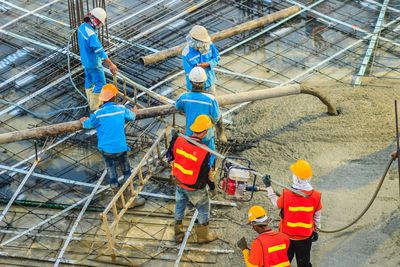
369,204
311,91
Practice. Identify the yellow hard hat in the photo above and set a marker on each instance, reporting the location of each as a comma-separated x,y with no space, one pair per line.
201,123
200,33
257,215
107,92
302,169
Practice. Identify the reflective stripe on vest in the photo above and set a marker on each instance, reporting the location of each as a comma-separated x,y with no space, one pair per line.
187,163
188,172
283,264
299,224
275,248
301,208
186,155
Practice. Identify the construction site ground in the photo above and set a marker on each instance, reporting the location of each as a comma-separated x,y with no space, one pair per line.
348,153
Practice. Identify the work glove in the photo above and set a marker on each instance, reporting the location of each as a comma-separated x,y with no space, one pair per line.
267,180
242,244
314,236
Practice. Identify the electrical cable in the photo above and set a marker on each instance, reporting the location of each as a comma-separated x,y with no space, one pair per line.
368,205
69,64
40,114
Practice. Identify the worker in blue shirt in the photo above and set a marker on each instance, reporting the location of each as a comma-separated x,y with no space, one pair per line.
109,121
201,52
199,102
92,56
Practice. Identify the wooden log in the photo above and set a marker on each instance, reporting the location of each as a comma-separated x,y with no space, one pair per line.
221,35
162,110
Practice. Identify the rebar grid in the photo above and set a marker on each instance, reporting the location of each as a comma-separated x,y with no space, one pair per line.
278,63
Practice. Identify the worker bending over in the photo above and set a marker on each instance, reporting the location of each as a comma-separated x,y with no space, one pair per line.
201,52
198,102
109,121
191,170
269,248
92,56
300,216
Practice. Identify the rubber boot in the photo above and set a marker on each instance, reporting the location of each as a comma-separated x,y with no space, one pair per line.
139,201
203,233
178,228
220,132
95,102
88,93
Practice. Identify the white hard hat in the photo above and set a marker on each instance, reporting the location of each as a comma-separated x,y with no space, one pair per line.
200,33
99,14
198,75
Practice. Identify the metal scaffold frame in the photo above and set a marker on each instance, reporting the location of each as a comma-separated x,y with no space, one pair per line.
277,54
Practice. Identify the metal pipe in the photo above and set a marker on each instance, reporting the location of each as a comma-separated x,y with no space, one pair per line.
372,43
217,154
27,14
47,177
60,255
53,216
170,109
189,229
218,36
21,185
245,76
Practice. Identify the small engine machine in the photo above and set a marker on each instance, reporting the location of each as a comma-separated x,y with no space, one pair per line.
236,180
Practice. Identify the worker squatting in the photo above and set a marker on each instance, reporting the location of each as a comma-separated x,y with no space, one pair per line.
192,165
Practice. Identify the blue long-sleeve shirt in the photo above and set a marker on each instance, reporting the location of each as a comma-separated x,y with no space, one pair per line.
191,57
195,104
109,121
91,50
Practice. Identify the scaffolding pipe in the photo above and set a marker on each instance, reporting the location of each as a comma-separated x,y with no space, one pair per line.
60,255
151,112
221,35
21,185
189,229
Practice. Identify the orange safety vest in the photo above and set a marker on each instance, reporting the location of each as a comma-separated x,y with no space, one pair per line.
298,213
274,247
187,163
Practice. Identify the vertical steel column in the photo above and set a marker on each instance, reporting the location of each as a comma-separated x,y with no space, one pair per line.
372,43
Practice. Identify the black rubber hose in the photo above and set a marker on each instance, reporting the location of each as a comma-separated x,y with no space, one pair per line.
369,204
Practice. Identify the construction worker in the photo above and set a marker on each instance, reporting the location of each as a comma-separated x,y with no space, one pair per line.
198,102
269,248
201,52
93,55
191,170
109,121
300,216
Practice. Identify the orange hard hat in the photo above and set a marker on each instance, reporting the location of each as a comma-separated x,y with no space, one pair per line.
107,92
302,169
257,215
201,123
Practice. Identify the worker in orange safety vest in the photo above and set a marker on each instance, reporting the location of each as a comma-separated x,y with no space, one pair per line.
269,249
191,168
300,216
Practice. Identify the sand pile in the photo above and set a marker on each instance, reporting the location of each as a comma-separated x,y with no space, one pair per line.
348,154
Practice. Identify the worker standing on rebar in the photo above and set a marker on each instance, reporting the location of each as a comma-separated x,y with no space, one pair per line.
198,102
201,52
109,121
300,216
269,248
191,170
93,55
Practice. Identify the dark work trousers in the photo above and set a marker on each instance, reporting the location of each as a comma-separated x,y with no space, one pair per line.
300,248
112,160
